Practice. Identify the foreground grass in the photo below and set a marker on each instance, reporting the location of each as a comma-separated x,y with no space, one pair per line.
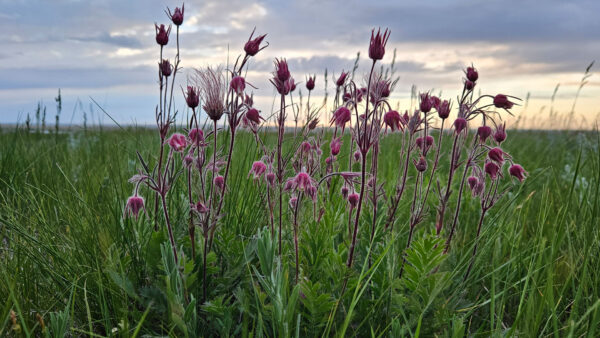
68,256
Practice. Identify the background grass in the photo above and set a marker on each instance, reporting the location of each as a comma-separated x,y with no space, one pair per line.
68,256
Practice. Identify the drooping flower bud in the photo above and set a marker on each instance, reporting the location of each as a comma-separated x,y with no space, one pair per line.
435,102
192,98
253,45
345,192
377,44
310,83
162,34
460,124
253,116
518,172
469,85
492,169
472,180
472,74
219,182
165,68
392,119
500,134
177,15
270,178
196,135
342,79
424,146
484,132
357,156
421,165
238,85
199,207
425,104
258,169
335,146
495,155
341,116
444,109
282,71
177,142
353,200
134,205
502,101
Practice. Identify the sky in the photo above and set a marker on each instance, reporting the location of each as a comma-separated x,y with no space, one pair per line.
106,50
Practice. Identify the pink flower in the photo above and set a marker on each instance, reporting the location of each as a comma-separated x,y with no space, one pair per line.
134,205
460,124
518,172
426,103
199,207
484,132
335,146
472,74
310,83
444,109
196,135
253,45
477,185
435,102
258,169
472,180
238,84
357,156
495,155
501,101
192,97
270,178
282,72
188,160
342,79
177,142
392,119
177,15
469,85
213,91
165,68
302,181
293,202
492,169
353,200
252,118
219,182
421,165
341,116
500,134
162,34
377,44
345,191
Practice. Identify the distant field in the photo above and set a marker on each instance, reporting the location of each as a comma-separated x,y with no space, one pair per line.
67,254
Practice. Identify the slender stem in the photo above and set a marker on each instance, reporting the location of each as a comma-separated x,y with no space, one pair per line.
171,238
281,126
191,228
360,200
399,189
204,286
444,202
483,211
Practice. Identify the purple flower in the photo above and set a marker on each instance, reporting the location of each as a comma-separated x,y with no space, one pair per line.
421,165
472,74
435,102
424,146
165,68
219,182
196,135
335,146
134,205
199,207
310,83
426,103
282,72
518,172
162,34
258,169
341,116
392,119
484,132
192,98
253,116
345,192
177,15
492,169
253,45
353,200
501,101
377,44
469,85
270,178
444,109
177,142
495,155
460,124
238,84
302,181
500,134
342,79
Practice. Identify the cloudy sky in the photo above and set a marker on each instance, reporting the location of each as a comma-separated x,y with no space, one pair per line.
105,49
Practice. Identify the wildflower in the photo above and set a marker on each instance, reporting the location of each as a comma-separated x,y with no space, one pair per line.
192,98
312,193
258,169
289,185
377,44
353,200
495,155
289,85
282,72
219,182
500,134
213,91
342,79
177,15
357,155
435,102
253,45
177,142
473,181
345,192
421,165
249,101
392,119
313,124
196,135
492,169
253,116
310,83
305,147
518,172
238,84
199,207
472,74
341,116
477,185
302,181
346,97
425,104
484,132
383,87
424,146
134,205
162,34
335,146
469,85
270,178
501,101
165,68
444,109
460,124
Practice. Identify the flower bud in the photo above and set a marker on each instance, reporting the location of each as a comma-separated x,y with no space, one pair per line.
165,68
342,79
134,205
353,200
177,15
345,192
335,146
492,169
425,104
196,135
253,45
444,109
219,182
460,124
177,142
377,45
392,119
484,132
258,169
238,84
495,155
310,83
518,172
192,98
500,134
162,34
270,178
469,85
472,74
421,165
501,101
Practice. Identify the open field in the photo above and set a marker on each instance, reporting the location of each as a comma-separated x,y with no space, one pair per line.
68,256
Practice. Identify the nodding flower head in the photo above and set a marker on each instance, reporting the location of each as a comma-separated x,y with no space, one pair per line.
444,109
377,44
502,101
282,72
421,165
357,156
253,116
177,142
310,83
249,100
199,207
219,182
492,169
424,146
342,79
345,191
305,147
472,74
134,205
517,171
472,180
258,169
426,103
191,97
469,85
500,134
336,145
353,200
253,45
484,132
196,135
460,124
238,84
162,34
165,68
177,15
393,120
341,116
476,184
302,181
270,178
213,88
495,155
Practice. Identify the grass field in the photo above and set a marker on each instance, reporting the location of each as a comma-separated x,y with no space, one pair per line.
71,261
